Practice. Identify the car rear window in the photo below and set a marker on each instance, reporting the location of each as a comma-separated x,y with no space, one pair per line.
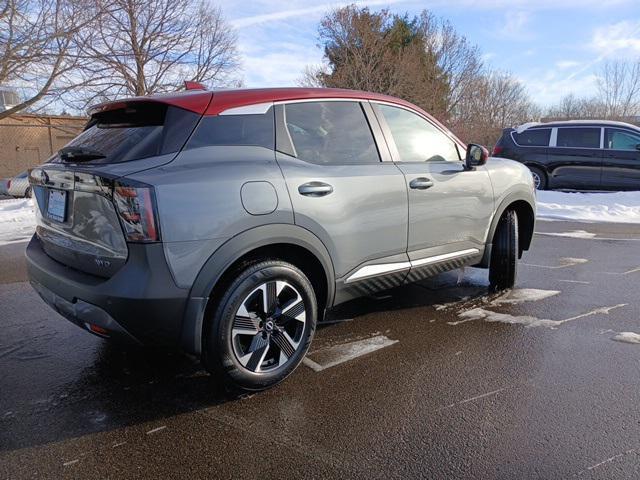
538,137
249,130
134,132
579,137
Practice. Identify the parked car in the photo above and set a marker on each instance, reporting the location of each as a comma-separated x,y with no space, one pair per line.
4,186
225,223
579,154
18,186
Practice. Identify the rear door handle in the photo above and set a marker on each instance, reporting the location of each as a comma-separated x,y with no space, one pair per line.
420,183
315,189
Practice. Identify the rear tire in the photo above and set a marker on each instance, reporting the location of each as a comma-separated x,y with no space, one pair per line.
539,178
262,326
504,254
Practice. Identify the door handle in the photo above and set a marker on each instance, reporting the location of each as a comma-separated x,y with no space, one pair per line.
315,189
420,183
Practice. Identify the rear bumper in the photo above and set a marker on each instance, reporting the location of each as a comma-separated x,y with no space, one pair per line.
139,304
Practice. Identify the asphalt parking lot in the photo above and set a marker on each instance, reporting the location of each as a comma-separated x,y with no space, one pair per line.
435,380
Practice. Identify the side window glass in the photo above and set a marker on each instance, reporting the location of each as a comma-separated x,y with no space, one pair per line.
579,137
248,130
622,140
330,133
538,137
418,140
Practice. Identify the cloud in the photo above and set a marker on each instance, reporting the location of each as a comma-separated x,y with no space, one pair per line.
514,26
565,64
617,39
488,56
548,87
244,22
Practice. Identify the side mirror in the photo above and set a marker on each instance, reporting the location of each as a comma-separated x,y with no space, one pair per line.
476,155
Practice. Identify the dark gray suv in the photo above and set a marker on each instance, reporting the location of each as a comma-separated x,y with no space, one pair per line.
225,223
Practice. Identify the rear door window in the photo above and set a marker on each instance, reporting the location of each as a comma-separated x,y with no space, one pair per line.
137,131
330,133
248,130
578,137
622,139
538,137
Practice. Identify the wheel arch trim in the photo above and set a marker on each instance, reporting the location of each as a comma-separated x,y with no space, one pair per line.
514,197
230,252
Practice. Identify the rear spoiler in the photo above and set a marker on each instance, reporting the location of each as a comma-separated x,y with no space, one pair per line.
195,100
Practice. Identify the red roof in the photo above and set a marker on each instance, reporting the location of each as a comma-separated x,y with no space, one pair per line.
201,102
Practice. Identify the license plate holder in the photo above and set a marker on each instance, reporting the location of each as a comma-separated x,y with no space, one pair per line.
57,205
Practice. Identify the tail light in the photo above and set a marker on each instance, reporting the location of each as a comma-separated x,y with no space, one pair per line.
497,150
136,206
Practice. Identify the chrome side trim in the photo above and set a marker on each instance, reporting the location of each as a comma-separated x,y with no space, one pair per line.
443,257
385,268
379,269
255,109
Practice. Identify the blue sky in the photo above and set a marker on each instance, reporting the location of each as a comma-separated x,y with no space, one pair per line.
553,46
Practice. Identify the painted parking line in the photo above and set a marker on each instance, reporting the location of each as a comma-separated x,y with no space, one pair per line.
573,234
472,399
584,235
337,354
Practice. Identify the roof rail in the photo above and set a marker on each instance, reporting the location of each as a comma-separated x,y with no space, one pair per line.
524,126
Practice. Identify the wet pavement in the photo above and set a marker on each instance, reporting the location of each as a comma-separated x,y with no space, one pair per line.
456,383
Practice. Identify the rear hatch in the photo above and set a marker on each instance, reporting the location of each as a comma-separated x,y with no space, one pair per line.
87,211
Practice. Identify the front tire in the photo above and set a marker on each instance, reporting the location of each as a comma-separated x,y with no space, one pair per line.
262,326
504,254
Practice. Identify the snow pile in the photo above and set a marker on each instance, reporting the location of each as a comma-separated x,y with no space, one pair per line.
621,207
17,220
627,337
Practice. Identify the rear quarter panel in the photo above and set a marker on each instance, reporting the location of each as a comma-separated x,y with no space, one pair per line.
200,204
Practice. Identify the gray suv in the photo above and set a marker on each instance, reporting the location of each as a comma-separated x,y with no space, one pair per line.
225,223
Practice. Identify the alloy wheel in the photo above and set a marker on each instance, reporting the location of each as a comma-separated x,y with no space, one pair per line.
536,180
268,326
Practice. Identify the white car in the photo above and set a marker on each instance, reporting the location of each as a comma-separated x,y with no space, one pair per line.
18,186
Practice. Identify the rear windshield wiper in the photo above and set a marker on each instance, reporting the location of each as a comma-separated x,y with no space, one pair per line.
79,154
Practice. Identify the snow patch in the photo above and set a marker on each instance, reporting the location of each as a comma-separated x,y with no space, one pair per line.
17,220
564,262
520,295
619,207
627,337
526,320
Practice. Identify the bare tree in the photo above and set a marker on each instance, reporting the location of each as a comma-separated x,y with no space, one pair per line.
572,107
499,101
38,49
459,60
619,88
140,47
